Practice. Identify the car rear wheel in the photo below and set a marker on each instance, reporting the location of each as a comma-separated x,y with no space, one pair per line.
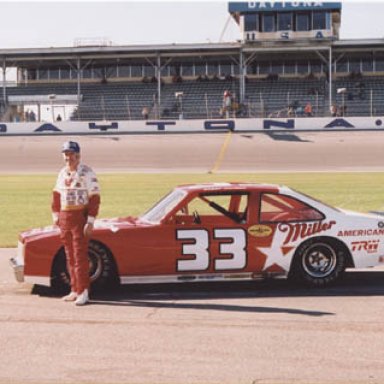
318,262
102,269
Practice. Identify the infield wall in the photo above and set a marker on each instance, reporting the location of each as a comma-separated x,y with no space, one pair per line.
188,126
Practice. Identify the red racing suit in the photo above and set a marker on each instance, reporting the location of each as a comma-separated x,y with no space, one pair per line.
75,202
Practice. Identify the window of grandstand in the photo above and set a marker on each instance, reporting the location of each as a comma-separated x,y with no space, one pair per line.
165,71
136,71
367,65
284,21
42,75
201,69
124,71
315,66
379,65
187,70
251,22
276,67
226,69
354,65
319,20
302,66
290,67
54,74
268,22
213,69
302,21
87,73
149,71
342,66
264,68
253,69
65,74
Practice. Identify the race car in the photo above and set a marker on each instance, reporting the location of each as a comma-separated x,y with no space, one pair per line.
214,232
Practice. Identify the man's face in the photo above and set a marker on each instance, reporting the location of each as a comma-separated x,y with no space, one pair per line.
71,159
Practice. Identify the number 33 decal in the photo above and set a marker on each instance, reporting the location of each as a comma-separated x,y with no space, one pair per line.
199,249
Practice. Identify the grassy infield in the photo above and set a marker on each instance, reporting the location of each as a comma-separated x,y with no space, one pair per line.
25,199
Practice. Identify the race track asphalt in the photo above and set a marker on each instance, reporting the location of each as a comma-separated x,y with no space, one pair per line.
257,152
262,332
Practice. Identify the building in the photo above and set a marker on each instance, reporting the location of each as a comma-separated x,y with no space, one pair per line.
290,54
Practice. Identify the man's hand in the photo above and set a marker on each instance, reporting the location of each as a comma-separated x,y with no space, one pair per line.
55,218
88,228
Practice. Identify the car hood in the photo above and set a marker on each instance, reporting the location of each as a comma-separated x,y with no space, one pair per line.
113,225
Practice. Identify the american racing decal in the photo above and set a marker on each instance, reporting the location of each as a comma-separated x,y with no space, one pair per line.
361,232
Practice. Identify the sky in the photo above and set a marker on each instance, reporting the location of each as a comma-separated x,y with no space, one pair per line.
28,24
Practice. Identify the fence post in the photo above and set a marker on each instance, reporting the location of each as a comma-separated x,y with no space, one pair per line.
128,107
371,102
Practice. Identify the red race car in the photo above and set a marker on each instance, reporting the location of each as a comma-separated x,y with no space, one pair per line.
214,232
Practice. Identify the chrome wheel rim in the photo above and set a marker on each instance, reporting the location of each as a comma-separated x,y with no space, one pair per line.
319,260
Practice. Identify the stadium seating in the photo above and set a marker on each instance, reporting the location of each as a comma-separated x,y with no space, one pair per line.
193,99
361,96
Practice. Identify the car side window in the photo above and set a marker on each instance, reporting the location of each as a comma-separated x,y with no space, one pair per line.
281,208
218,207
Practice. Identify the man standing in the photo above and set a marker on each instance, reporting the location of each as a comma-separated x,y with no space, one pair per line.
75,205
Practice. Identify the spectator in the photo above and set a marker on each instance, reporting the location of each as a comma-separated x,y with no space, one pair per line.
342,110
32,116
58,118
145,113
300,111
333,110
308,110
227,102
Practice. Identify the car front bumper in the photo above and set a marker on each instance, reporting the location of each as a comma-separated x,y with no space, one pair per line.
18,269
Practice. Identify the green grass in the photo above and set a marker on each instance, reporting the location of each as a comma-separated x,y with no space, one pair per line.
25,199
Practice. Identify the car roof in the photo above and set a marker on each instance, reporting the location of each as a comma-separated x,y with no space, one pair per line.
230,186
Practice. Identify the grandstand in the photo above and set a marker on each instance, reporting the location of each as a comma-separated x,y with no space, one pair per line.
290,54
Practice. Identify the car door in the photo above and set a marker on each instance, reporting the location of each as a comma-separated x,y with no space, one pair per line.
211,234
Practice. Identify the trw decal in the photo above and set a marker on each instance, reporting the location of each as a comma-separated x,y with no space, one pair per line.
370,246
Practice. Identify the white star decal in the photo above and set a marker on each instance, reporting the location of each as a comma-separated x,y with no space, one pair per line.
276,254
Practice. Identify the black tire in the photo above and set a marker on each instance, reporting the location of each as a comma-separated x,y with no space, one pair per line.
318,262
102,269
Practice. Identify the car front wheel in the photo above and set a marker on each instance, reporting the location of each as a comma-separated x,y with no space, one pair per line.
318,262
102,269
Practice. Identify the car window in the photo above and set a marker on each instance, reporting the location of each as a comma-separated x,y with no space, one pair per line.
230,206
282,208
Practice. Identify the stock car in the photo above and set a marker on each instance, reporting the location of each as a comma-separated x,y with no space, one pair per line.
214,232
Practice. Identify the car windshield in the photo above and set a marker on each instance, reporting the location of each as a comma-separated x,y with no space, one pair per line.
164,206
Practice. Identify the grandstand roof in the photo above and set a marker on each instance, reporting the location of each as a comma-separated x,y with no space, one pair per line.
28,56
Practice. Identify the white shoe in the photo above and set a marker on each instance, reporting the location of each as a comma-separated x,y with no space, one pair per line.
83,298
72,296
